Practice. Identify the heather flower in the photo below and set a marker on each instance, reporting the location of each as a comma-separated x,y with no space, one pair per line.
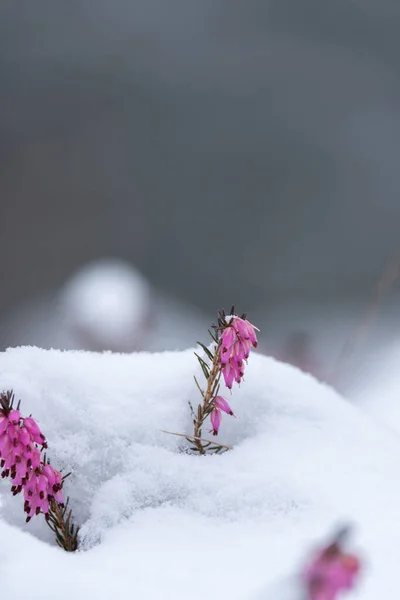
233,337
331,572
21,444
228,372
219,404
18,446
215,418
36,435
237,339
42,486
20,459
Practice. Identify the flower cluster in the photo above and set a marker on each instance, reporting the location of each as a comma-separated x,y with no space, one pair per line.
236,341
21,444
233,337
331,572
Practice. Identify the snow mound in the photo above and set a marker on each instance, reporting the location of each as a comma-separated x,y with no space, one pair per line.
158,523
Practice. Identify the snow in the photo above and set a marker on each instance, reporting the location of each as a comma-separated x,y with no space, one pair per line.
107,300
378,392
159,523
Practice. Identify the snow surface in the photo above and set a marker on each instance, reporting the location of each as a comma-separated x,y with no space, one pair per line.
158,523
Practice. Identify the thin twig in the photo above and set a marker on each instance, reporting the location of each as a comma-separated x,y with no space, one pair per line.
201,439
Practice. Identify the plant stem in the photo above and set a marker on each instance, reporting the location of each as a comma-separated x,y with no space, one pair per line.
204,409
190,438
59,521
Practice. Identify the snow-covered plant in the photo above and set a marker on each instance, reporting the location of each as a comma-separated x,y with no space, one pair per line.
232,339
331,571
22,459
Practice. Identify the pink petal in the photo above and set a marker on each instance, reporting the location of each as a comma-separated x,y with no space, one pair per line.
5,445
222,404
252,334
216,419
14,417
228,337
239,352
241,327
225,354
34,430
229,375
49,473
24,437
3,424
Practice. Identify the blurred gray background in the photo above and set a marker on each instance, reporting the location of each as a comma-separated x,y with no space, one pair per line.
230,151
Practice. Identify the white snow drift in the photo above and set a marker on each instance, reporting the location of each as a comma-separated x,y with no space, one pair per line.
159,523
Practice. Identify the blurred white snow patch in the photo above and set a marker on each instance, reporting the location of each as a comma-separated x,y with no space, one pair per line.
379,391
108,302
158,523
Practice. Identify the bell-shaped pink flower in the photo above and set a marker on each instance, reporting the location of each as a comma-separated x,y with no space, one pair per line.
216,419
20,473
54,480
220,403
236,340
24,437
34,430
239,351
40,488
225,355
241,327
14,417
32,456
228,374
228,337
50,475
246,330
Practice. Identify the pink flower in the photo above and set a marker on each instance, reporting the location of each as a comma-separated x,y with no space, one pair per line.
35,433
222,404
229,374
18,451
330,572
219,404
54,479
42,486
236,340
20,460
14,417
245,330
215,418
240,352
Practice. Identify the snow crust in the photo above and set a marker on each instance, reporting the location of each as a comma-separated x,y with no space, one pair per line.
158,523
